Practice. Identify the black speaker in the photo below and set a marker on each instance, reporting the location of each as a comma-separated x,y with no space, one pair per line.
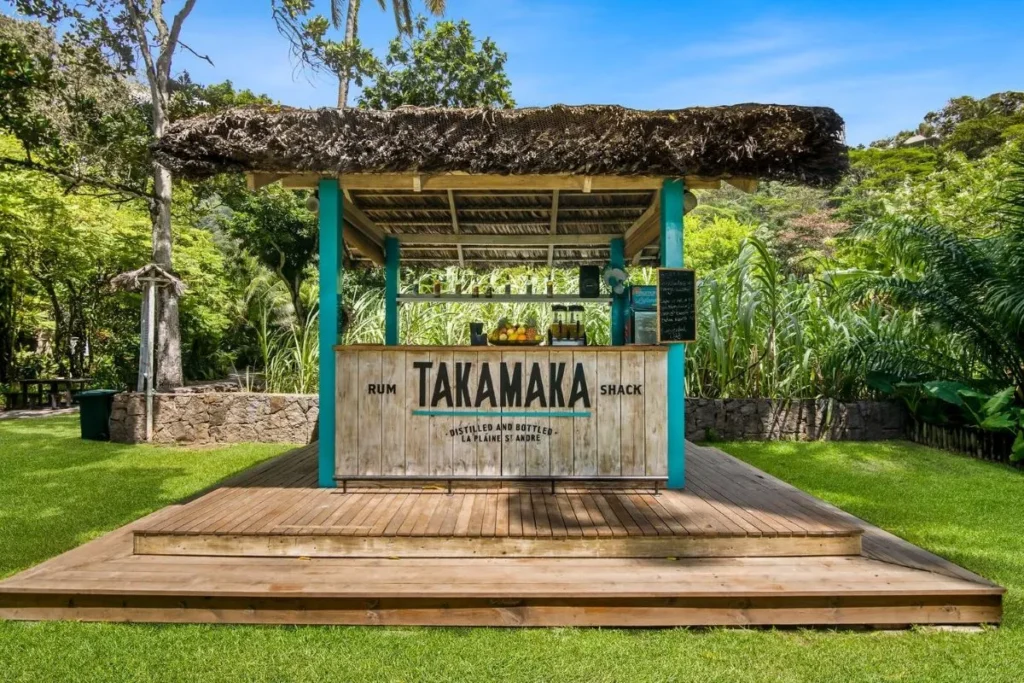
590,281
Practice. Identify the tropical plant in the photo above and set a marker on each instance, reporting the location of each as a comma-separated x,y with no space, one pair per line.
969,287
944,402
347,59
443,65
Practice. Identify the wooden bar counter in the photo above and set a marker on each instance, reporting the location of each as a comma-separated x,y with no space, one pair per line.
501,411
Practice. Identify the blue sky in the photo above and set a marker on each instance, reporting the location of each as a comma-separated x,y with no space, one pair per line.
881,64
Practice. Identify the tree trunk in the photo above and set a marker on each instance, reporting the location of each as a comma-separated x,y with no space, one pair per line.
351,29
8,324
168,334
60,343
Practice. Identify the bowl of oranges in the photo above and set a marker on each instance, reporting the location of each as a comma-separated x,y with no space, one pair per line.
511,334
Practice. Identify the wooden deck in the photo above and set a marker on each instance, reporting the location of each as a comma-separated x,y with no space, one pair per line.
888,583
726,511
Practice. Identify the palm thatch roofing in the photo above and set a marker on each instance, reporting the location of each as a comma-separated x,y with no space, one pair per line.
383,157
133,280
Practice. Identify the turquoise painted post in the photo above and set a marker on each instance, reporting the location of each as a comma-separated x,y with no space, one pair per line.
617,259
391,278
330,320
672,257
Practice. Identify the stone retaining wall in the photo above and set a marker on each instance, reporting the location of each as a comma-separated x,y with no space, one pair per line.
747,419
216,418
279,418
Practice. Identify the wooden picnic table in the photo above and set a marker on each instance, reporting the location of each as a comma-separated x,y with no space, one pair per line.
55,387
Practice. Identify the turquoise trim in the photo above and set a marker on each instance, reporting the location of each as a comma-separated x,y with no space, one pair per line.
330,323
500,413
617,259
391,281
672,257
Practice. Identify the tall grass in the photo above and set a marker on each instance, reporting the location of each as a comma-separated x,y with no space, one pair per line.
287,349
761,332
447,323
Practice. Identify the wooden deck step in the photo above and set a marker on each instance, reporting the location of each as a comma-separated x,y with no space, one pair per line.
891,584
727,510
104,581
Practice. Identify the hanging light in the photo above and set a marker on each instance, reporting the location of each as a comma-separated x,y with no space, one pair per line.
313,202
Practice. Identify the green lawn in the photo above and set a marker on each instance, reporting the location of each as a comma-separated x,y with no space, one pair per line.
57,492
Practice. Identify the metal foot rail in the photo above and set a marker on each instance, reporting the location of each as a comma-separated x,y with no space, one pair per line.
657,482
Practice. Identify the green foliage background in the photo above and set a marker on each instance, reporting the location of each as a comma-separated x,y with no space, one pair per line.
908,267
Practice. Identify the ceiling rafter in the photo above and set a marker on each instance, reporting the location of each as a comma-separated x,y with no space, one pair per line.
554,226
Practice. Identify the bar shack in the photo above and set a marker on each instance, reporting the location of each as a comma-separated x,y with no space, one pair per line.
440,518
600,188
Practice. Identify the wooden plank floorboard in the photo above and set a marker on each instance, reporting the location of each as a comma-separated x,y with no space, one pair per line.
723,499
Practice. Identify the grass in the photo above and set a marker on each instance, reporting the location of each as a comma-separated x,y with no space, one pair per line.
963,509
58,491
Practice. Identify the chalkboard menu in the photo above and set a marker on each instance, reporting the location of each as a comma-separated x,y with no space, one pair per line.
677,305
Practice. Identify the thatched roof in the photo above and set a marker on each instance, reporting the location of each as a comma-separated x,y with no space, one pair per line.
769,142
404,171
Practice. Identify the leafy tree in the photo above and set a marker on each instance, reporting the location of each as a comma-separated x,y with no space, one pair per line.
347,59
960,110
888,168
713,240
969,126
791,220
75,116
274,225
124,32
439,66
61,250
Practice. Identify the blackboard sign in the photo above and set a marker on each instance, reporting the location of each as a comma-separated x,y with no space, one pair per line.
677,305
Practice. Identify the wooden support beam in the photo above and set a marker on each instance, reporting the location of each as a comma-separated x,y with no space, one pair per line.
748,185
554,226
255,181
415,182
645,230
466,239
376,212
357,239
301,181
355,216
625,222
363,234
455,222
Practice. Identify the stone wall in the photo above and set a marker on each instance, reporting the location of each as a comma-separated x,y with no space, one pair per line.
803,419
278,418
198,418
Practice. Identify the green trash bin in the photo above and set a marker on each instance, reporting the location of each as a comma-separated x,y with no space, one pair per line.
94,415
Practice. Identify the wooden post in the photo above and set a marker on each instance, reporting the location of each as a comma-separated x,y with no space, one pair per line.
391,282
330,321
617,259
151,343
672,257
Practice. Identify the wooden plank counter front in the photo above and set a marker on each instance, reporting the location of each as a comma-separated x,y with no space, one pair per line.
486,411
